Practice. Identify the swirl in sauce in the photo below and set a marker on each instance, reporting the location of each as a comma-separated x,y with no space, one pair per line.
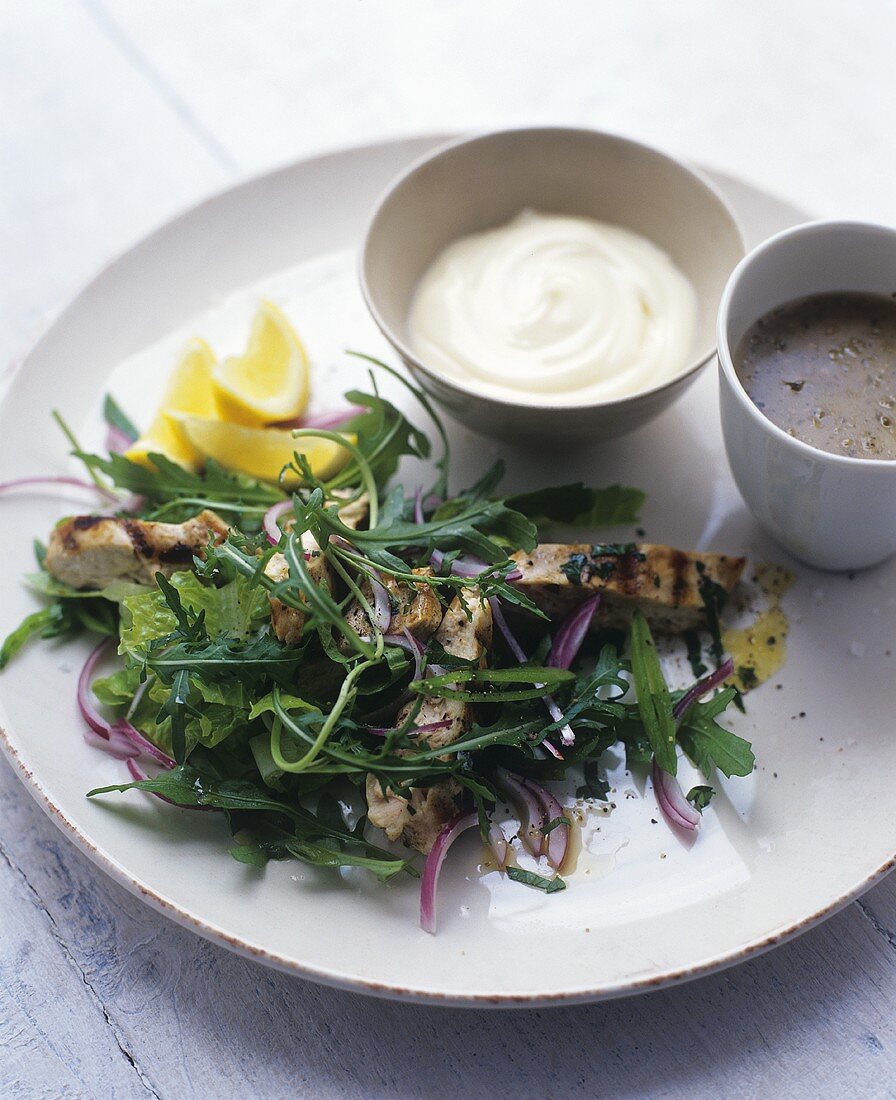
553,309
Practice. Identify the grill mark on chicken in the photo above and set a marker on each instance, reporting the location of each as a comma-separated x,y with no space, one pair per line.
660,580
93,551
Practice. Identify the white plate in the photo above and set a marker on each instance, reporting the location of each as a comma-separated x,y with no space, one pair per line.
809,830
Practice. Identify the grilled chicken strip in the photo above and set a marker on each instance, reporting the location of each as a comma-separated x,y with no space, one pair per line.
287,622
669,586
415,608
94,551
417,821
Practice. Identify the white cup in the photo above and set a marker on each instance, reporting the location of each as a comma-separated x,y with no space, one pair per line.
830,511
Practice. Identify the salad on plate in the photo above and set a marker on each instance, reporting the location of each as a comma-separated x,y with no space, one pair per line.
352,670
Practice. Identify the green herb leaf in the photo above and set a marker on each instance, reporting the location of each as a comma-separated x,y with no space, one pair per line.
529,878
115,418
710,745
700,797
654,701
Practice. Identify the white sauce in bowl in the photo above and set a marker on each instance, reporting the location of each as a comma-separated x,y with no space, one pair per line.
554,309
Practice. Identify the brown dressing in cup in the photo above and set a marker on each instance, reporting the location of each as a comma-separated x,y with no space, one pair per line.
823,368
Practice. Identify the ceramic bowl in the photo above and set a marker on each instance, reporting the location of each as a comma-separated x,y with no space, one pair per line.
830,511
481,182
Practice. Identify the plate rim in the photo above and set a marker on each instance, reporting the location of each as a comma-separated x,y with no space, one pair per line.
243,947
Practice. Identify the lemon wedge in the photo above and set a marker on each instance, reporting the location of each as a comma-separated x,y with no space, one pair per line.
262,452
189,391
268,383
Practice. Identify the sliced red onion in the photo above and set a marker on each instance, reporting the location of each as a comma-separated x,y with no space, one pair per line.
465,566
144,746
269,523
702,687
556,843
330,419
120,739
382,602
115,743
529,807
418,505
499,846
450,832
566,733
675,807
73,482
85,697
117,441
571,633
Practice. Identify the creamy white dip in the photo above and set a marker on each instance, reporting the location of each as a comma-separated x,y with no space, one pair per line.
553,309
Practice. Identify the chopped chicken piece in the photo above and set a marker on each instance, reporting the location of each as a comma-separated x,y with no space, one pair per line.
466,629
469,639
289,621
415,607
417,820
668,585
94,551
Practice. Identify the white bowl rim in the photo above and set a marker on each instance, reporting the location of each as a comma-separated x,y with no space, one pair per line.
726,362
470,391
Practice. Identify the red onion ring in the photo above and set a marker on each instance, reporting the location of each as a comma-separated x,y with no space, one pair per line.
114,743
330,419
117,441
571,633
269,523
120,739
85,701
529,807
556,843
702,687
675,807
382,601
74,482
406,640
450,832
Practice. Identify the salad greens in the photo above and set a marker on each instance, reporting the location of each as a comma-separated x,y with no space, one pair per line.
280,738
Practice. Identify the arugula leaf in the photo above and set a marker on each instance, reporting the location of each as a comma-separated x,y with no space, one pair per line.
115,418
384,436
595,786
654,701
235,609
32,626
213,659
529,878
578,505
186,786
178,493
710,745
175,708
